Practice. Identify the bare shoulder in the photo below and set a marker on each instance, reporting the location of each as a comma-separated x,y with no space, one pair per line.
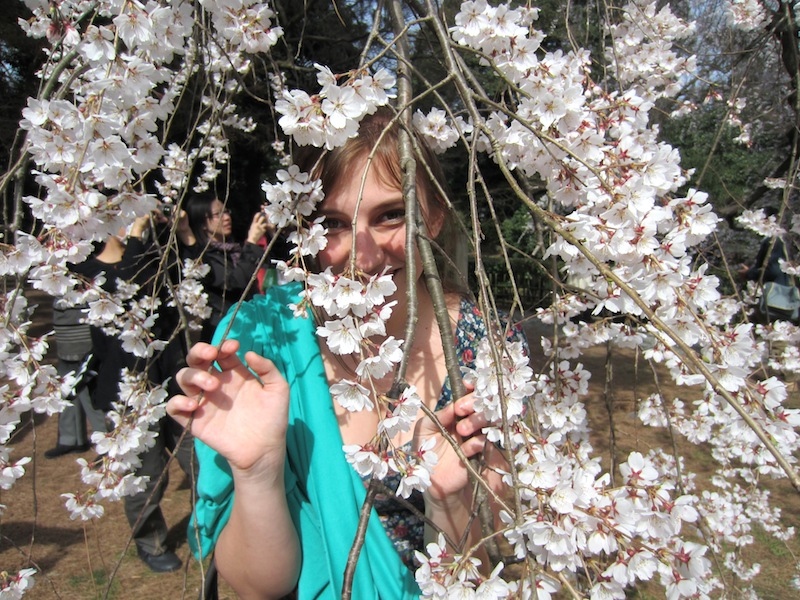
453,302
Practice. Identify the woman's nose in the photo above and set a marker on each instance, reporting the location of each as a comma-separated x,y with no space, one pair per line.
369,253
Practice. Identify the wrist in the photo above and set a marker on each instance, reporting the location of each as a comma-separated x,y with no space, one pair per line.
265,471
453,503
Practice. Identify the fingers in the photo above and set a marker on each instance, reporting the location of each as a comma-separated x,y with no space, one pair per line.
202,355
181,408
473,446
471,425
199,377
227,359
460,416
260,221
447,416
196,381
196,378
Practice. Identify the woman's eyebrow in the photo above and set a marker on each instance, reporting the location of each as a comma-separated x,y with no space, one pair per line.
331,212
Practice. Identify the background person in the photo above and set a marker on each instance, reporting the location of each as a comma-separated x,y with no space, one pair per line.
74,349
268,275
232,264
134,259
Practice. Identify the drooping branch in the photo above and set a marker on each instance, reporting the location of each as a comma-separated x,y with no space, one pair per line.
689,355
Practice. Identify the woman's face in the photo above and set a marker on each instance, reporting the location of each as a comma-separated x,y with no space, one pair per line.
380,227
218,222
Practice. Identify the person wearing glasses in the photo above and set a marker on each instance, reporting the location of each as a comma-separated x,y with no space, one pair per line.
232,263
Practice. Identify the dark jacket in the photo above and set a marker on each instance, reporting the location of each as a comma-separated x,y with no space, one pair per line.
227,280
139,264
764,269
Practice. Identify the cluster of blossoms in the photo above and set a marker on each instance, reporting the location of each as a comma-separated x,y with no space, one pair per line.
616,186
113,73
747,15
190,295
15,587
632,530
331,117
28,383
442,575
778,338
571,516
438,131
141,406
501,389
125,316
10,471
641,49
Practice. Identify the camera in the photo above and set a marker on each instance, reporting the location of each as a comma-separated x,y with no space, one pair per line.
166,210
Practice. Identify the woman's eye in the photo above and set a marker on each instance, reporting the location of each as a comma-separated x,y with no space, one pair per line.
334,224
393,216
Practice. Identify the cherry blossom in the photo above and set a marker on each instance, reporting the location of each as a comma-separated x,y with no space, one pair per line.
10,471
14,587
748,15
351,396
366,461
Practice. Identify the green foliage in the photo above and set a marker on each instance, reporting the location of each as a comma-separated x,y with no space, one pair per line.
727,170
519,231
531,283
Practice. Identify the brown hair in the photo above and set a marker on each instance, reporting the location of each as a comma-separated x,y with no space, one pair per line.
379,132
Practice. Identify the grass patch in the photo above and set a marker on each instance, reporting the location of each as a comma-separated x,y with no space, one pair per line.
97,580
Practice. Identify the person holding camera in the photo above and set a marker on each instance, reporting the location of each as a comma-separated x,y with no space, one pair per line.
232,264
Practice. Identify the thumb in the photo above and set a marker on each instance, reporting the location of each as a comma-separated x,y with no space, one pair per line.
270,378
263,367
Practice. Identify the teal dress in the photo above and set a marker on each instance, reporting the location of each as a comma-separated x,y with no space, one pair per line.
323,491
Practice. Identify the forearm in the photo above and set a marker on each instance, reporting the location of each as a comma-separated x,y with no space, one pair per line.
258,552
455,518
186,237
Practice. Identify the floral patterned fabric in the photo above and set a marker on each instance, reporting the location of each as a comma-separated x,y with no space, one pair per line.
404,527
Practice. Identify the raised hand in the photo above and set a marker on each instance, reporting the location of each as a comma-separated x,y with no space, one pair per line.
450,478
240,417
258,227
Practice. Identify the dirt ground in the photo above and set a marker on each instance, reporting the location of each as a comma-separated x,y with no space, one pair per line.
75,559
80,561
